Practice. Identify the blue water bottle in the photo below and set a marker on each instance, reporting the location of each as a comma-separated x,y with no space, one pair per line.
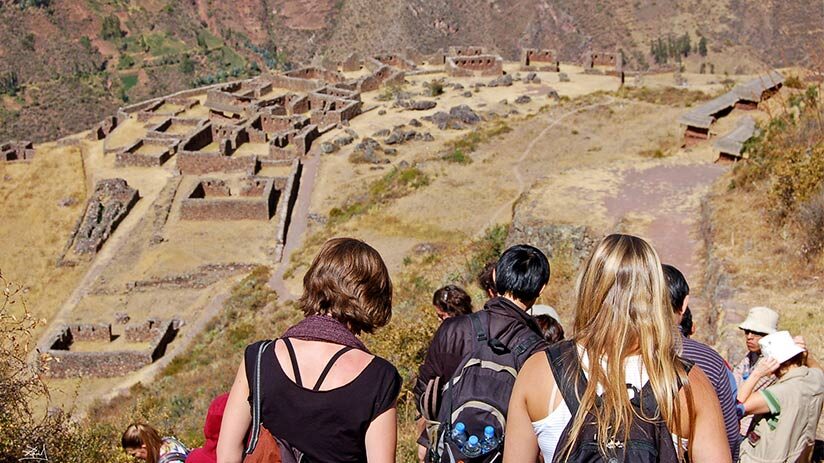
459,435
472,448
489,442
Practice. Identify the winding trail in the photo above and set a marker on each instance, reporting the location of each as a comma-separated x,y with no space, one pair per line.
516,166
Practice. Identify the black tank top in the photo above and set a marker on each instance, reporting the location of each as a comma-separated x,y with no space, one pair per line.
328,426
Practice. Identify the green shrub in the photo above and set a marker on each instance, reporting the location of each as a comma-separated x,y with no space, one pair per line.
457,156
793,82
110,28
125,61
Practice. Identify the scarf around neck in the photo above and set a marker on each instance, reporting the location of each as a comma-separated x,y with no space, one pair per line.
326,329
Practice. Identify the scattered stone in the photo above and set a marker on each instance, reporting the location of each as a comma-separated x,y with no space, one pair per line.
503,81
457,118
121,318
415,123
417,105
425,248
390,151
504,101
382,112
397,136
66,202
563,77
381,133
314,217
532,78
328,148
523,99
479,85
457,87
403,164
467,94
351,132
343,140
552,93
514,112
428,137
482,105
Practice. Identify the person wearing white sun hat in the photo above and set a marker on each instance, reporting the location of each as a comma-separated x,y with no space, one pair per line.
787,412
760,322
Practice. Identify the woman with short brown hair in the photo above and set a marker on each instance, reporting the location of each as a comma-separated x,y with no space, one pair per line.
323,392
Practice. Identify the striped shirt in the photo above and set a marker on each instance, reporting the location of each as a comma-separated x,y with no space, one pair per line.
718,372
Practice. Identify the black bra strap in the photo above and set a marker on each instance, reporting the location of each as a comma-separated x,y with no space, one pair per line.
329,366
294,360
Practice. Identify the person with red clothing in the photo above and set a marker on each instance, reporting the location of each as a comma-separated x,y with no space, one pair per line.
211,431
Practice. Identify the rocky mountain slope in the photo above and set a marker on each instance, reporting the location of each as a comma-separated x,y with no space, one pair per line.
60,55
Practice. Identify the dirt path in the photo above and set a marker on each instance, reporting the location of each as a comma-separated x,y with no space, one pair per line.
506,208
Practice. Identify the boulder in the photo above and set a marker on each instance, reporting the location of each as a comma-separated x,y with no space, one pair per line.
381,133
415,123
523,99
417,105
328,148
503,81
563,77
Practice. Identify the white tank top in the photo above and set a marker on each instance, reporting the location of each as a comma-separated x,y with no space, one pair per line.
549,429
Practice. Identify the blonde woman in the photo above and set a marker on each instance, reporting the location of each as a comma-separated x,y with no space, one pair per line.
624,320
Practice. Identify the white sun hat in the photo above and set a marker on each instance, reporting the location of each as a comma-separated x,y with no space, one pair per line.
761,320
541,309
780,346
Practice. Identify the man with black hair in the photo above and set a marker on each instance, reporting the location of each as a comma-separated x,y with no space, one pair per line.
711,363
520,276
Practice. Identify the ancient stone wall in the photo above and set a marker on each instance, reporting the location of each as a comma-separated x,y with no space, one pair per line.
169,128
396,61
286,204
294,84
256,200
60,361
91,332
352,63
194,163
223,101
16,151
158,151
467,51
108,205
602,58
541,60
476,65
315,73
103,128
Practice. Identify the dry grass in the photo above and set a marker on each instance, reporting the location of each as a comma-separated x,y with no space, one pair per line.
34,228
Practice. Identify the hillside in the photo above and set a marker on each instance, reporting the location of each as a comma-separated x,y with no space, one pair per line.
57,55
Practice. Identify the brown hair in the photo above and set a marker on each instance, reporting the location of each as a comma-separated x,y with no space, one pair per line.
138,435
551,328
348,281
485,280
453,300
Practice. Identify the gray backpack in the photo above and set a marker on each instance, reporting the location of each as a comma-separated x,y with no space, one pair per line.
478,394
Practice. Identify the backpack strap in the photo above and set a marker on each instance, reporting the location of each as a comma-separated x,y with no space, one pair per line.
254,435
480,332
294,359
566,368
329,366
645,400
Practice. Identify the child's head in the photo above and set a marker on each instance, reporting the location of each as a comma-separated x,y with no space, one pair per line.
141,441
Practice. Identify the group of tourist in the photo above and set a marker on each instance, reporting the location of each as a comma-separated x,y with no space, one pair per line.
508,383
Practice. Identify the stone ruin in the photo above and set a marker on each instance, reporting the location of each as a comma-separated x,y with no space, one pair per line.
103,128
609,63
460,50
58,360
147,152
108,205
213,199
474,65
16,151
533,59
396,61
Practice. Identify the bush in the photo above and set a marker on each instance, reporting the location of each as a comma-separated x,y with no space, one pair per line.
793,82
9,83
110,28
435,87
811,221
125,61
457,156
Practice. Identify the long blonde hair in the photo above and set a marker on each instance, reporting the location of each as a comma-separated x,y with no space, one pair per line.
623,309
